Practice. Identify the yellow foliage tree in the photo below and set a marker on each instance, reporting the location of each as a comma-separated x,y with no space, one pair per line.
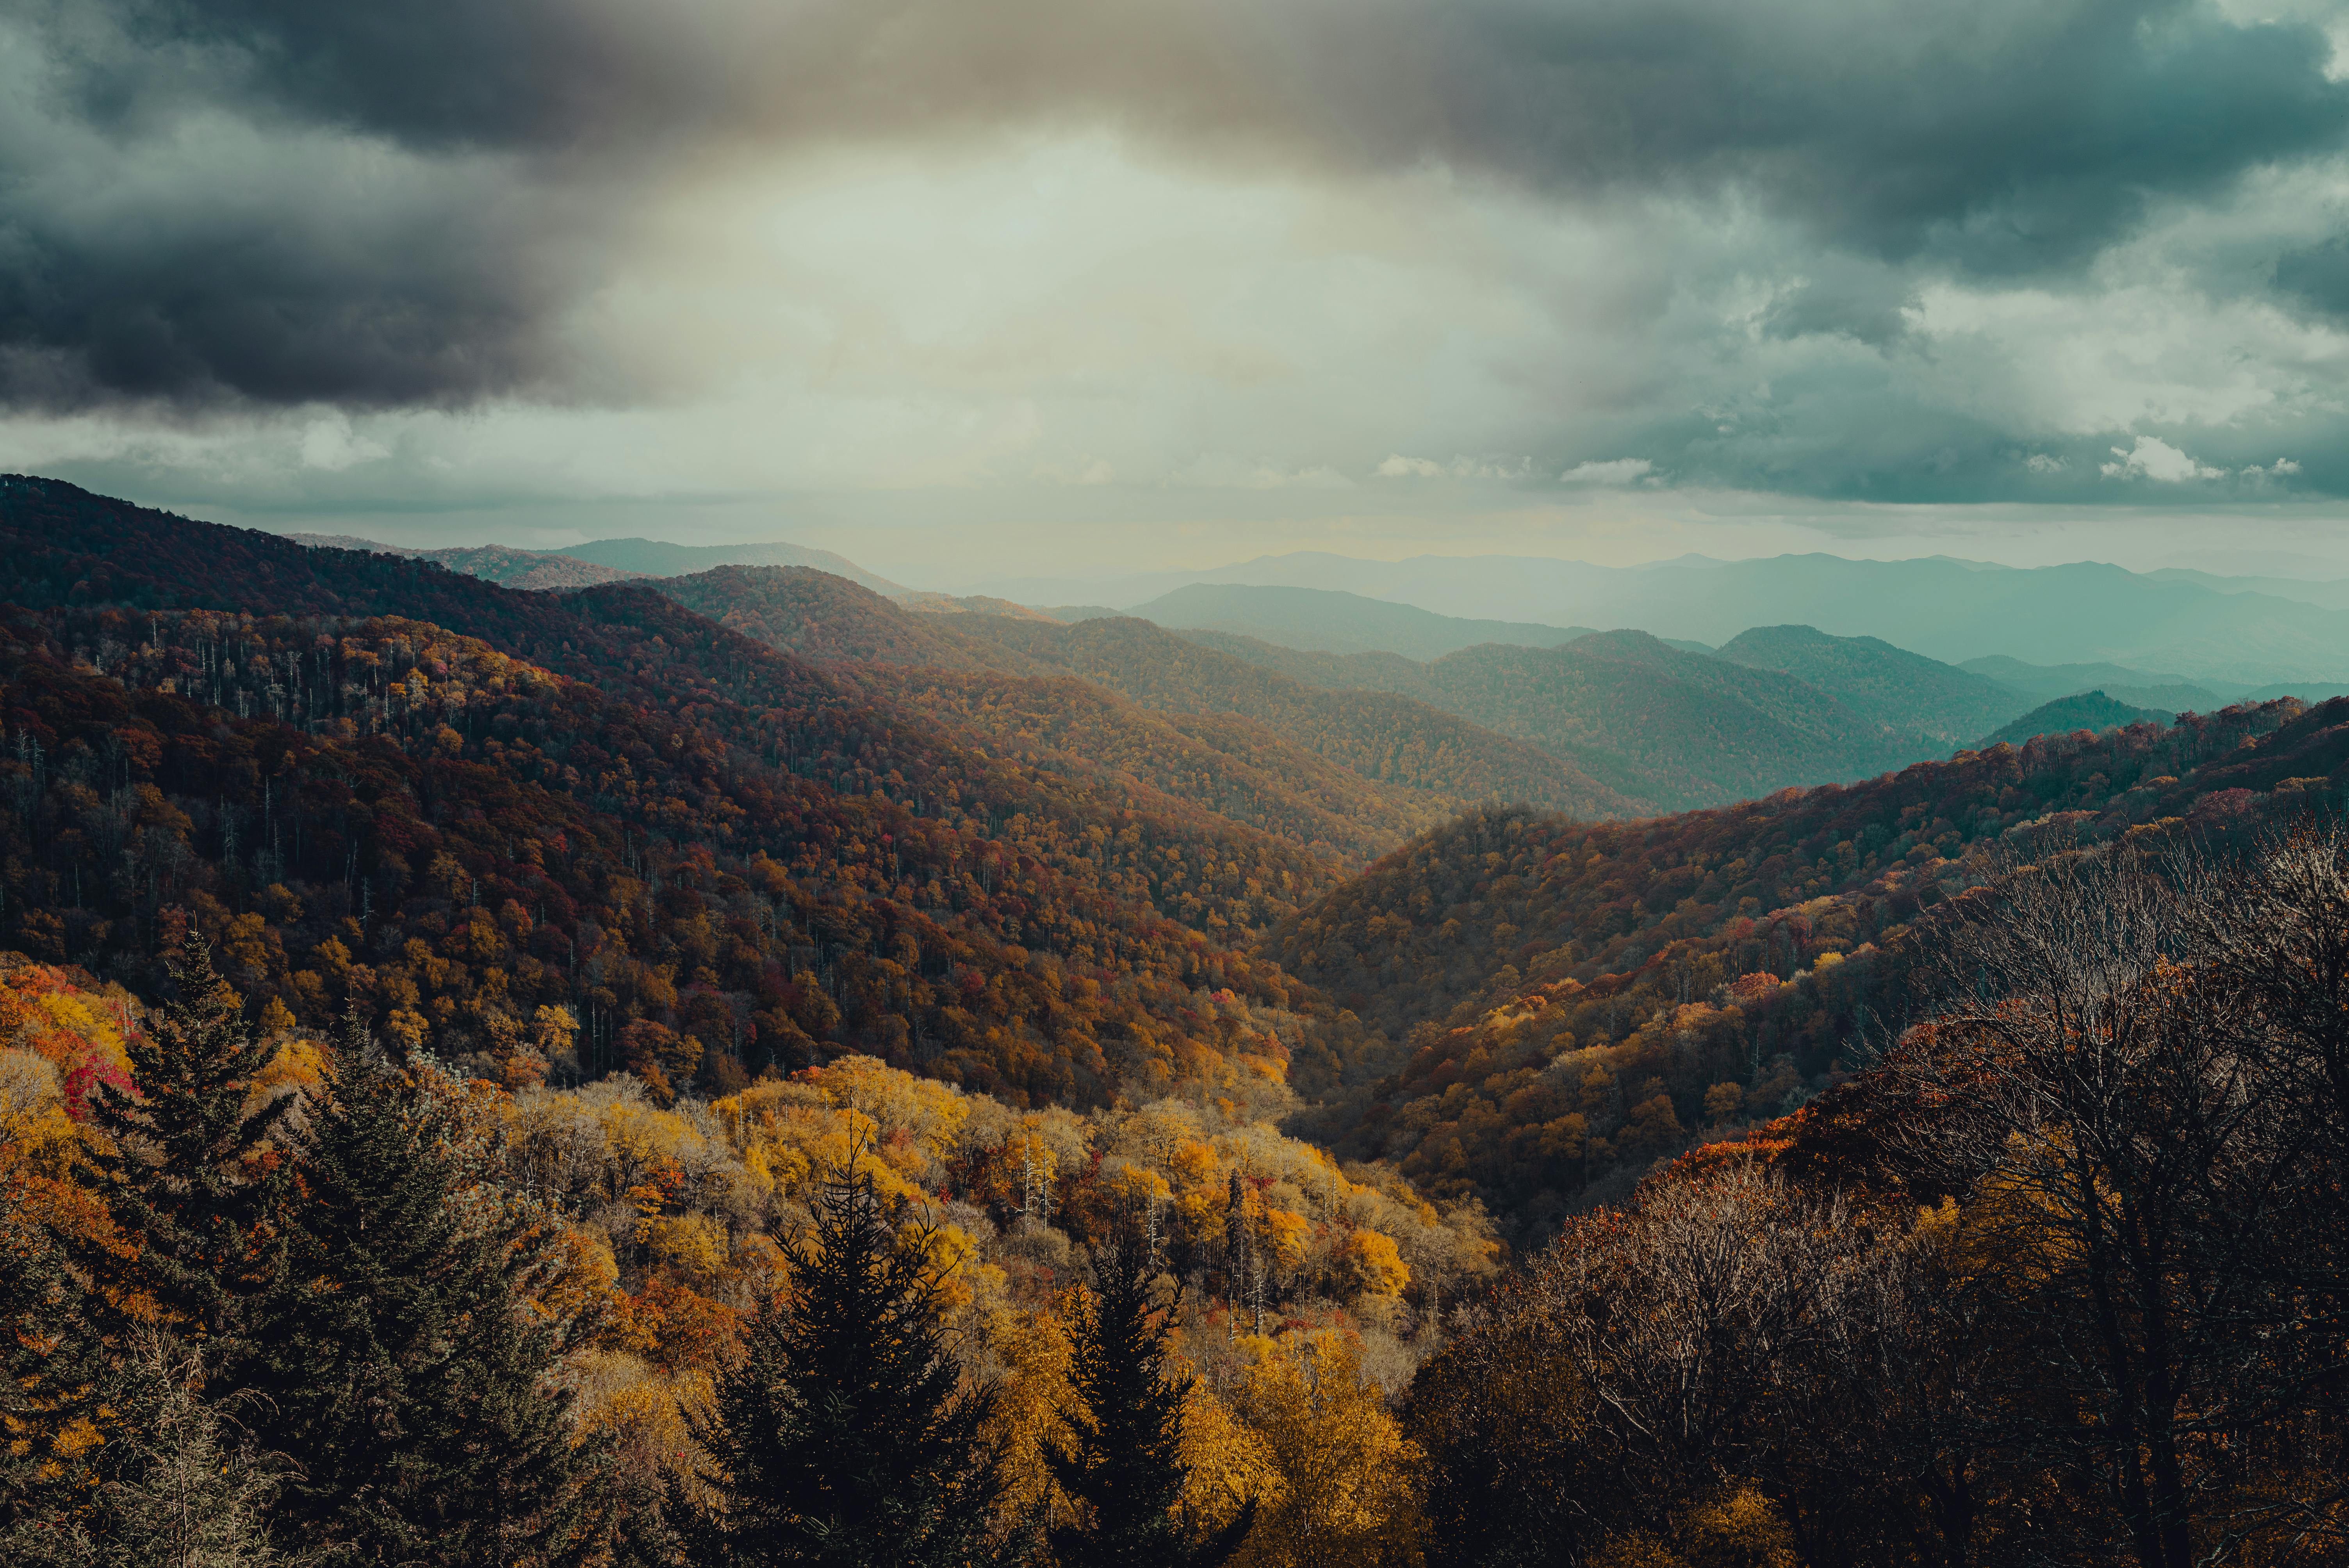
1346,1490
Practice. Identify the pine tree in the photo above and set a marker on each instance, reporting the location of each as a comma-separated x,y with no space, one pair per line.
841,1438
1126,1467
396,1363
185,1177
53,1375
172,1486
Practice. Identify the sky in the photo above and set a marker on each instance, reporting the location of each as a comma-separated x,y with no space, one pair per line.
983,288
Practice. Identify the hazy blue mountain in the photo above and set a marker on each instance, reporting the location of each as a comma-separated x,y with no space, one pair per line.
2181,698
1320,620
2306,691
1945,608
1681,728
1894,688
2331,595
2044,683
658,558
2090,710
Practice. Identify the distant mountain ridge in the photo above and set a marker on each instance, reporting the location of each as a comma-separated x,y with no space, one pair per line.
535,571
1200,726
1894,688
1320,620
1945,608
656,558
1683,729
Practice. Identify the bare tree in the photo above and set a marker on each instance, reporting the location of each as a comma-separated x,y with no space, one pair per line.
2106,1105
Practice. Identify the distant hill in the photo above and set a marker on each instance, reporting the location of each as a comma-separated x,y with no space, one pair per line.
2042,682
1323,621
1679,728
808,612
1379,735
2191,698
976,605
535,570
1945,609
2306,691
2089,710
658,558
1892,687
1345,774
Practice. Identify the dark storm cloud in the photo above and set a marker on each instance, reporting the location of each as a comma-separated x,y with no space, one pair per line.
399,203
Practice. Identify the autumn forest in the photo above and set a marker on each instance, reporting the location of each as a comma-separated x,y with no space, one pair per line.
738,1068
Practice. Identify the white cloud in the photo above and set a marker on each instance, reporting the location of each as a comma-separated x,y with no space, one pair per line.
2156,458
1213,470
1615,472
1398,467
2043,463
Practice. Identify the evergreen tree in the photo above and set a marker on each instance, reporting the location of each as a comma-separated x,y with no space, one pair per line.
185,1176
398,1366
841,1438
1125,1466
174,1485
52,1376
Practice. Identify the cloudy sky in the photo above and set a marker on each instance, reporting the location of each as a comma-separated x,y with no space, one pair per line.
990,287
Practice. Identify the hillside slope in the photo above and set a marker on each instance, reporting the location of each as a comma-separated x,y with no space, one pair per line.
1891,687
1573,1002
531,569
731,820
1381,735
2090,710
1682,730
1397,745
658,558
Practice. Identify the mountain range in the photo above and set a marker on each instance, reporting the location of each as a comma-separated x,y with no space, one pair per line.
1947,609
765,818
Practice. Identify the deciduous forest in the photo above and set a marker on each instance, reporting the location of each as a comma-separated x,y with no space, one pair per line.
736,1070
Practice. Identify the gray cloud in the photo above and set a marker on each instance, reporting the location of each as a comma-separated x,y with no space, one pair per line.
273,203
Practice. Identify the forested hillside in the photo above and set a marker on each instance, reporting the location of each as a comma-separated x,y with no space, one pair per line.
2056,1281
1397,743
2090,710
1573,1001
1677,729
542,1288
1886,685
494,1077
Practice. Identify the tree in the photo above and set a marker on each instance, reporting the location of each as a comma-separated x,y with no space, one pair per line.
2111,1111
176,1484
841,1437
1347,1495
1124,1468
397,1365
186,1176
52,1376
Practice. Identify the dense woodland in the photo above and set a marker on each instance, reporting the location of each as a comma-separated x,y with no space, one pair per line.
502,1077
